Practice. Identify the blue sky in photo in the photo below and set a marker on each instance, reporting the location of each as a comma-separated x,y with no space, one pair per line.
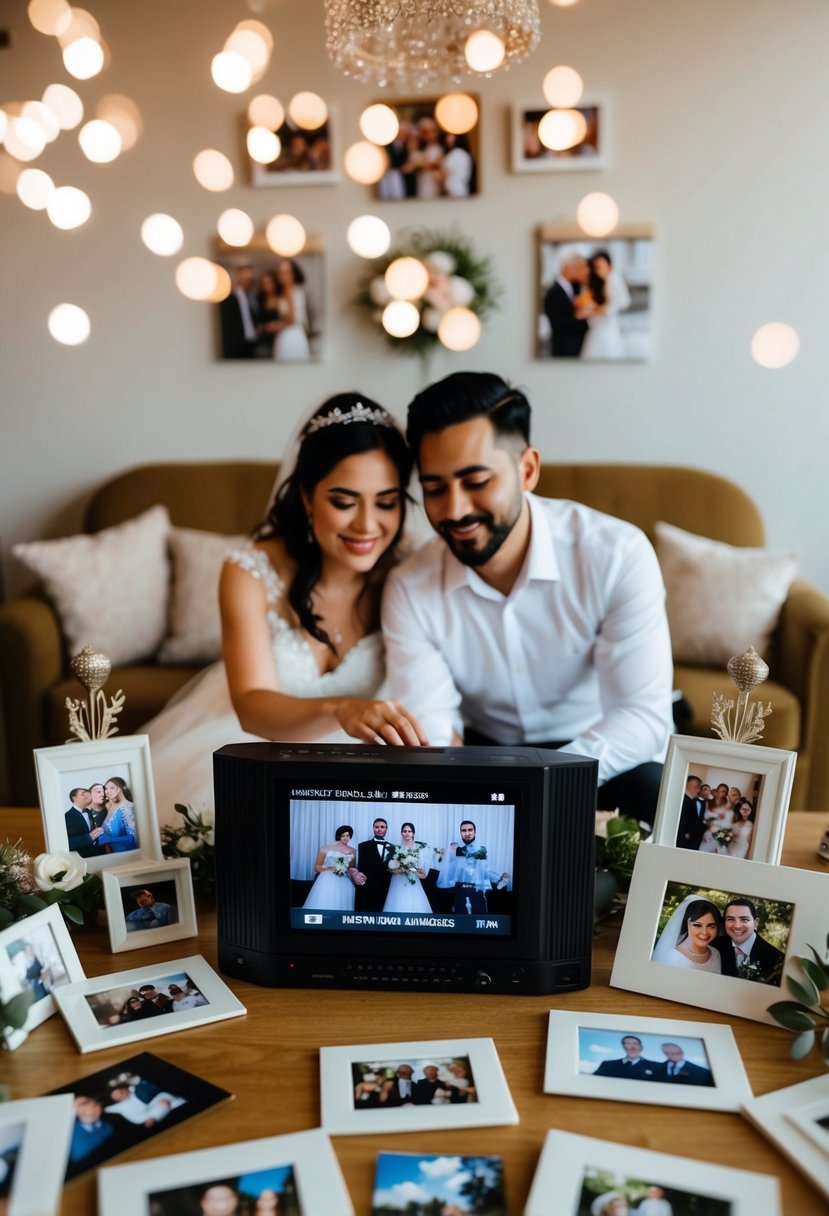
598,1045
402,1178
262,1180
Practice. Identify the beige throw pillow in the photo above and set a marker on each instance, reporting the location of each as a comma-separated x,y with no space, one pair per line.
721,599
109,589
194,633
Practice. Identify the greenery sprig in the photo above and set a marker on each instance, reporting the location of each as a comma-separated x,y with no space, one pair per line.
193,840
808,1014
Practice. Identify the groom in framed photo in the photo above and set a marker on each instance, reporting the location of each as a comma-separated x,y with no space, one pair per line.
373,857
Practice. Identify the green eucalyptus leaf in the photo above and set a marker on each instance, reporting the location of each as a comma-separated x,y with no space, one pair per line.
72,913
16,1010
820,967
824,1045
802,1045
35,903
792,1015
6,917
806,992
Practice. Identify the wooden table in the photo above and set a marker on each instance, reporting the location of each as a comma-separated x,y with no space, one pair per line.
269,1060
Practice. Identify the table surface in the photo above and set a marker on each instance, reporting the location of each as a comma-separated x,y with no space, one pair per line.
269,1060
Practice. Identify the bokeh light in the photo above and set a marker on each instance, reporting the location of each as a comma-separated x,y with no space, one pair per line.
597,214
263,146
68,207
10,171
379,123
100,142
259,28
77,23
45,15
400,319
459,329
407,278
83,58
35,188
213,170
231,72
365,162
251,46
4,123
235,227
65,104
266,111
285,235
563,86
44,116
307,110
201,279
368,236
162,234
560,129
122,113
774,345
484,51
25,139
69,324
456,113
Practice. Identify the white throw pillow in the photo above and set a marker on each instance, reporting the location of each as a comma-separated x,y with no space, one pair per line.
109,589
721,599
194,633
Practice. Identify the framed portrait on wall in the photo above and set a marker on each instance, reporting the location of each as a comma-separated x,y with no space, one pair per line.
426,161
275,311
593,295
305,158
529,154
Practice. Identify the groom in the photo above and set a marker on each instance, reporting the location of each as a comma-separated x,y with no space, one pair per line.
372,860
568,330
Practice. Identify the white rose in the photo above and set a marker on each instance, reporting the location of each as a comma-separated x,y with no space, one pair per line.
186,844
379,292
59,871
440,262
463,293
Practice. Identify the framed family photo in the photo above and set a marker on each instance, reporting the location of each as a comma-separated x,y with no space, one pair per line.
306,157
97,799
147,905
596,1178
38,954
661,1061
726,798
717,932
31,1180
427,162
796,1120
300,1170
529,155
418,1086
145,1002
593,297
275,312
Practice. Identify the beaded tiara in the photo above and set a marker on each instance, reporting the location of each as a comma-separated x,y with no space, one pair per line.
357,413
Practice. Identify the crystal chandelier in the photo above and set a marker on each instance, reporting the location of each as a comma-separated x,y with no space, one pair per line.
410,43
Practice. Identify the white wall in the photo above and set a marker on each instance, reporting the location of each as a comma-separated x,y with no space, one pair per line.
720,114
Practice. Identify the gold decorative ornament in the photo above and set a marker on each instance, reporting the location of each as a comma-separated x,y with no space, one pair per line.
745,724
93,719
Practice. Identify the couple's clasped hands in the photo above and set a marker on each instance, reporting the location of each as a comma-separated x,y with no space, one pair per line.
380,722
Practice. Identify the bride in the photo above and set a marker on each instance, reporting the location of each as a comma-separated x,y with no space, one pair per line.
302,649
686,939
408,867
608,295
333,886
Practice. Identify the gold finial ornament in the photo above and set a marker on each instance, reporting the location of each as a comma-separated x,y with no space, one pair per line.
93,719
746,723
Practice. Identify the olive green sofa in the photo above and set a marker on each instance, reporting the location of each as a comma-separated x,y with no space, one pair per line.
227,497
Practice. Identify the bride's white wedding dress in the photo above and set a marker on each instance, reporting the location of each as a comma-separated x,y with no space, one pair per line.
405,896
604,338
330,890
201,719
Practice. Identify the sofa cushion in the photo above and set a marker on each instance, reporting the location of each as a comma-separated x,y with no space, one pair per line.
110,589
194,630
698,685
720,599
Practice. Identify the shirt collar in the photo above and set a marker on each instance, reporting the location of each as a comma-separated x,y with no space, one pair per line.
540,564
747,946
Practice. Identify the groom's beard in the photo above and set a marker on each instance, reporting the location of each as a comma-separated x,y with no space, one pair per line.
467,551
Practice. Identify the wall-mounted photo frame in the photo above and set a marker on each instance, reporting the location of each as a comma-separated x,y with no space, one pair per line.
587,1175
731,799
148,905
689,915
39,955
144,1002
419,1086
426,162
276,310
31,1180
796,1120
301,1168
529,155
306,157
660,1061
97,799
594,295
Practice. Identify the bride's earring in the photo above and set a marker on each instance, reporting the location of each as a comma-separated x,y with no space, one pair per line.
310,529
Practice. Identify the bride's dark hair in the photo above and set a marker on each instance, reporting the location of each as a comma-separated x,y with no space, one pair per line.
320,449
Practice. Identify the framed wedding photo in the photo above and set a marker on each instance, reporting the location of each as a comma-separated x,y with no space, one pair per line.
275,312
301,1169
594,296
306,157
586,1175
796,1120
420,1086
148,905
529,155
97,799
40,954
31,1180
126,1006
660,1061
427,162
717,932
726,798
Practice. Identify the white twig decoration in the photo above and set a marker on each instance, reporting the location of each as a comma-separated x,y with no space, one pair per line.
745,725
94,719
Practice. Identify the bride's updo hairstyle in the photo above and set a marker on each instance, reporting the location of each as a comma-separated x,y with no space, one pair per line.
696,909
348,424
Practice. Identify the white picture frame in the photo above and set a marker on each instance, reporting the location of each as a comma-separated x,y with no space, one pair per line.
784,1117
569,1032
567,1158
79,765
284,173
46,935
124,1190
37,1182
91,1033
341,1116
121,880
656,869
530,156
772,767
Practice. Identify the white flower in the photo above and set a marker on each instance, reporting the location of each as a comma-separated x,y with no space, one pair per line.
463,292
59,871
379,292
439,262
431,319
186,844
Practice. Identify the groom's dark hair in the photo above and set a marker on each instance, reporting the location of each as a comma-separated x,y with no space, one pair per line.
738,902
465,395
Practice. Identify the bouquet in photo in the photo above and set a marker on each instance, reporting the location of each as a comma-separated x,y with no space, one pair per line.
342,864
478,854
723,836
406,860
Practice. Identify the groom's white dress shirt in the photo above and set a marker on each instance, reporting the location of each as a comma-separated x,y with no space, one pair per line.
578,651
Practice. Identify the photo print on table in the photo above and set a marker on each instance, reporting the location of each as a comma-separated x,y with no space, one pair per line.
444,1184
796,1121
38,956
129,1102
271,1192
388,1084
148,905
31,1181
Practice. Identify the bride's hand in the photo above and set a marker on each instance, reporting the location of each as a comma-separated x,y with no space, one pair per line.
379,722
